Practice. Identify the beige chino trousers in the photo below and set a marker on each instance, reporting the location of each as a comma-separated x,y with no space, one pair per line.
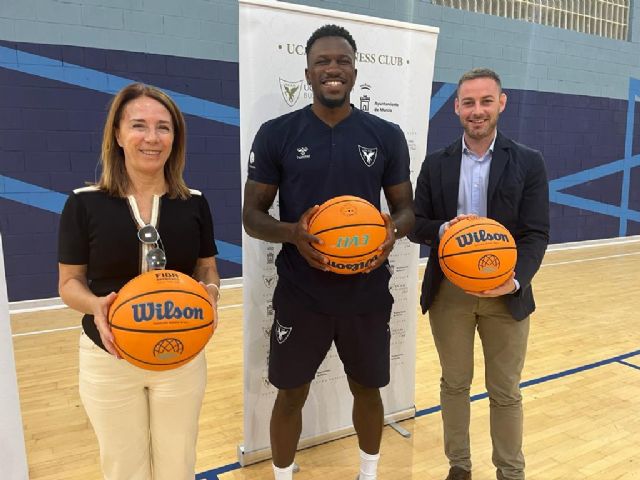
146,421
454,318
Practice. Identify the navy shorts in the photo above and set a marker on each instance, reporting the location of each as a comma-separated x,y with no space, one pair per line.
300,339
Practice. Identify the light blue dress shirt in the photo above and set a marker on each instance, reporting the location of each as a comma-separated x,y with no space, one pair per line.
474,182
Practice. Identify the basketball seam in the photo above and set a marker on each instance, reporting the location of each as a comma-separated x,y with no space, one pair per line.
344,256
111,314
184,360
137,330
475,278
476,251
359,200
349,225
453,236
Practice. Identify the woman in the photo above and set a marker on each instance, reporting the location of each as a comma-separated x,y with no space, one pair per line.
146,421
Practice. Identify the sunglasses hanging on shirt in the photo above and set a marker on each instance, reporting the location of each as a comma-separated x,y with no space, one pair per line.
156,257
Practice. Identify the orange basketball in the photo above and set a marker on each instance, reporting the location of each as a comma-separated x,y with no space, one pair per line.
161,319
477,254
352,230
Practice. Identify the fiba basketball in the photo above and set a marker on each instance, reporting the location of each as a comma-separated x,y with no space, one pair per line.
161,319
477,254
352,229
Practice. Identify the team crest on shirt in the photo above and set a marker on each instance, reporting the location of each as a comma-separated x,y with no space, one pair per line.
290,91
282,332
368,154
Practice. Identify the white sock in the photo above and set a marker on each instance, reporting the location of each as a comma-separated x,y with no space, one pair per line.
368,466
285,473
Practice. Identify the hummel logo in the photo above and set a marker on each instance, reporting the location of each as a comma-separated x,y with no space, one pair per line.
302,153
368,155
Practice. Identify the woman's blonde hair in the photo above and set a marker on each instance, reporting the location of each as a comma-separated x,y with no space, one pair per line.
114,178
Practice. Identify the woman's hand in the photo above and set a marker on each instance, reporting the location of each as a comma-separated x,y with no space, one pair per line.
206,272
100,314
214,297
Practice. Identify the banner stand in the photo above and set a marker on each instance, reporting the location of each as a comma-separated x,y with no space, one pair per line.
395,62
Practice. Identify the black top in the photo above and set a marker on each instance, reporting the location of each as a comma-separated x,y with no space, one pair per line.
311,162
100,231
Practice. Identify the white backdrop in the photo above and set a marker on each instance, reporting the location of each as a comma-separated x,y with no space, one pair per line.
395,70
13,460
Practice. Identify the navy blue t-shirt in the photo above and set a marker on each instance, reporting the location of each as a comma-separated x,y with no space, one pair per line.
311,162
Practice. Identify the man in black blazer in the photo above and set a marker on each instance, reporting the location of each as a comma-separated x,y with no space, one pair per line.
483,174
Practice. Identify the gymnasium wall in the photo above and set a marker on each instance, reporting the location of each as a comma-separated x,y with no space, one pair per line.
573,96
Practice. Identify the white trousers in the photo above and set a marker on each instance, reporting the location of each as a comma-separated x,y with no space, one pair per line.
146,421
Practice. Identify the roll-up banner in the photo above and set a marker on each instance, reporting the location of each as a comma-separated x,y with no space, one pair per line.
395,63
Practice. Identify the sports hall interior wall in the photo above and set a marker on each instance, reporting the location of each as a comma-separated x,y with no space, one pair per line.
569,96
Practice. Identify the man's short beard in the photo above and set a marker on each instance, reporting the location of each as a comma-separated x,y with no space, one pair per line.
332,103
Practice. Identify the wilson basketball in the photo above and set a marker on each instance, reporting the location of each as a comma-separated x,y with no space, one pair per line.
161,319
352,229
477,254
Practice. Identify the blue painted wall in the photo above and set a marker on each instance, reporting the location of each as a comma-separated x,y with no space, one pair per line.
572,96
50,142
583,140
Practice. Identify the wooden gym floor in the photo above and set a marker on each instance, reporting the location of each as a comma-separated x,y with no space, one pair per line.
581,399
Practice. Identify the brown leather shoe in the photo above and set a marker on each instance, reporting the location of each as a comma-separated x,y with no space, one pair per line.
457,473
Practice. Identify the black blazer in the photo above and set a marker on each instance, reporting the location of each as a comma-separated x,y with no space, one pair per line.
517,197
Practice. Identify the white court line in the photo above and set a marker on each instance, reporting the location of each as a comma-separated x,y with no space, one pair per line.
589,259
38,332
227,307
38,309
561,247
55,303
236,282
237,305
54,330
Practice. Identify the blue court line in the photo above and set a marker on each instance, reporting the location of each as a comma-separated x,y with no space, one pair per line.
213,474
39,197
91,79
629,364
